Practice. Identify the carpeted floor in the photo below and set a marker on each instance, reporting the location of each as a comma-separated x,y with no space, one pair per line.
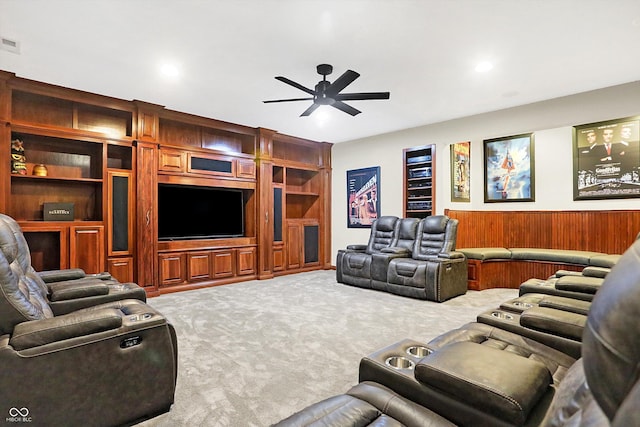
252,353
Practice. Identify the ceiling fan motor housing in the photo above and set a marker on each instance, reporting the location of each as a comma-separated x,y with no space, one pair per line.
320,96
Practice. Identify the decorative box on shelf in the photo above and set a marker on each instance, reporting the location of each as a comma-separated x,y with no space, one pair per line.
58,211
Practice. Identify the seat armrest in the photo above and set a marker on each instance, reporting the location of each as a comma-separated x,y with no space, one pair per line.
40,332
503,384
396,251
357,248
67,290
567,304
451,255
584,284
557,322
50,276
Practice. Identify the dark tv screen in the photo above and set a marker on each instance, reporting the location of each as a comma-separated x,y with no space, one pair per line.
192,212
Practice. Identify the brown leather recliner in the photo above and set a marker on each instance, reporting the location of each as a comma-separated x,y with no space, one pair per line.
107,364
63,291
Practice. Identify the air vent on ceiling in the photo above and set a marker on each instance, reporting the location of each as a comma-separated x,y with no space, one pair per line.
9,45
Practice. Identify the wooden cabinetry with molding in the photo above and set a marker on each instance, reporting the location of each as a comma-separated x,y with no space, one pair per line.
107,160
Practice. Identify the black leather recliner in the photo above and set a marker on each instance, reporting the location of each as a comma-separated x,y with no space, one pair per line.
106,364
435,271
478,375
353,265
67,290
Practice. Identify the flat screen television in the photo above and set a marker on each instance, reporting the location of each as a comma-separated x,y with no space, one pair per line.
194,212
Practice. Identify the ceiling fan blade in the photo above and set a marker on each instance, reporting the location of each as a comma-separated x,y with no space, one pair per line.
361,96
341,82
287,100
346,108
310,110
296,85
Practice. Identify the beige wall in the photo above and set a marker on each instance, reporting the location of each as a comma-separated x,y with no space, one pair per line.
551,122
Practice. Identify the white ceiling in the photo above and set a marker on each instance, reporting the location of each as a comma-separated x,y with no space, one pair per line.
424,52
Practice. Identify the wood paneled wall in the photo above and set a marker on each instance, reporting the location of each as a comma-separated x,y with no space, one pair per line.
610,232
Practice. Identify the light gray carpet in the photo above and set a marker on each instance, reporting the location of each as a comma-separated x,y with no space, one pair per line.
252,353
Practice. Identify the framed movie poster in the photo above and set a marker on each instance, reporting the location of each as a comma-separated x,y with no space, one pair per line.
460,172
606,159
363,197
509,169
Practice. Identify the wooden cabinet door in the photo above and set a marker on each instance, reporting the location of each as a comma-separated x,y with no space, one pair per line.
278,258
172,269
172,160
294,245
246,169
223,263
87,248
246,261
121,269
199,264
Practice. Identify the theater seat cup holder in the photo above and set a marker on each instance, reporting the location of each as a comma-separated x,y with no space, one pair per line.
399,362
501,315
419,351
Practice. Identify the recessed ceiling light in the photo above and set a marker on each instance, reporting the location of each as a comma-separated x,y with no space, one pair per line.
169,70
484,66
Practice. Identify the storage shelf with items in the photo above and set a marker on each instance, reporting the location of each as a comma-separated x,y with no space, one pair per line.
300,183
419,181
63,145
57,170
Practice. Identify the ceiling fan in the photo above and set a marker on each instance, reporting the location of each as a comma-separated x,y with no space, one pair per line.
327,93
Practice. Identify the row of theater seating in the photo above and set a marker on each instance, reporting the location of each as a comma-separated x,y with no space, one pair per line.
546,358
78,349
409,257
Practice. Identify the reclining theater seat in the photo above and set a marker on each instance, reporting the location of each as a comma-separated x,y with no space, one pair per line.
353,265
63,291
109,364
478,375
401,247
435,270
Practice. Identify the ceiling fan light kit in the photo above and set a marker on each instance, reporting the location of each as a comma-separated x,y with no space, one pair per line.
327,93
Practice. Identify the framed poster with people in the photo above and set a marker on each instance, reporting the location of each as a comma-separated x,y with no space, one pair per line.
363,197
606,159
509,169
460,172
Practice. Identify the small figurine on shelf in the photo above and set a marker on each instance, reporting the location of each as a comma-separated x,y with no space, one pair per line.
18,159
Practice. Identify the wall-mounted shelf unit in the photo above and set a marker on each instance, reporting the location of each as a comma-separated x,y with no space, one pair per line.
419,181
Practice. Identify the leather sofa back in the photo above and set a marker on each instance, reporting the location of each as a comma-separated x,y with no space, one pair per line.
436,234
383,231
611,339
22,292
407,230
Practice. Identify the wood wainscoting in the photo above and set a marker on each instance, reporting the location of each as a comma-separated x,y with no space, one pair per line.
610,232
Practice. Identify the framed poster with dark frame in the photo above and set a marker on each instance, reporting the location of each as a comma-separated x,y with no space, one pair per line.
363,197
606,159
509,169
460,172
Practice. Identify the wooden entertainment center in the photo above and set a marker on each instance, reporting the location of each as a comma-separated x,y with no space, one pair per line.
107,157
